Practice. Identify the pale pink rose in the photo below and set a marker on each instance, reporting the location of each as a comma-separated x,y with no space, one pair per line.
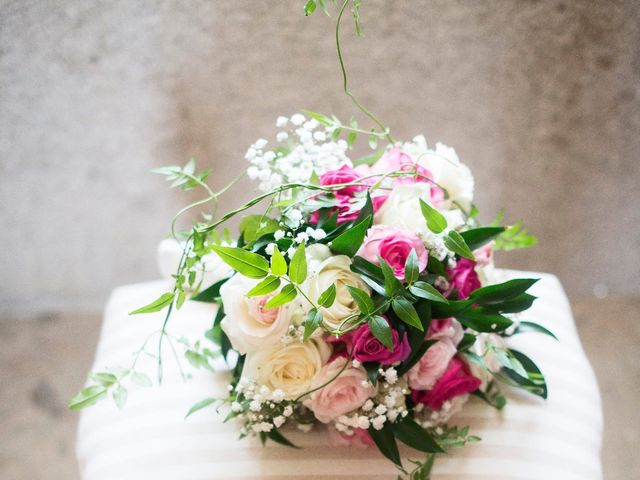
464,278
344,394
457,380
484,255
441,328
424,374
394,245
358,438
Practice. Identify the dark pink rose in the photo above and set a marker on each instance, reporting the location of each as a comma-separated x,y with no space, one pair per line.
464,278
346,208
457,380
367,348
394,245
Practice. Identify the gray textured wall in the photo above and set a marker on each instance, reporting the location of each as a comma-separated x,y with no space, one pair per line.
540,98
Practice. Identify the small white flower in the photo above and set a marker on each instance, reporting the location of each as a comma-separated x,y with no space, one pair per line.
355,363
392,415
294,214
279,421
288,411
282,136
364,383
320,136
281,121
269,156
381,409
291,251
391,375
305,427
302,237
251,154
297,119
270,248
363,422
260,144
319,234
236,407
278,395
378,422
368,405
278,235
255,406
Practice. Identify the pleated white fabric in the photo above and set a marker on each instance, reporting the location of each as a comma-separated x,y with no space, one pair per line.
149,439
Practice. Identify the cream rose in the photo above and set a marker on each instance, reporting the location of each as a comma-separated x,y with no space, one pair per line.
247,323
325,270
290,367
347,392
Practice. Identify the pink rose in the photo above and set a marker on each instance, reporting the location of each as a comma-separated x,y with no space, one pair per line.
464,278
457,380
397,160
359,438
441,328
343,395
346,195
367,348
424,374
484,255
394,245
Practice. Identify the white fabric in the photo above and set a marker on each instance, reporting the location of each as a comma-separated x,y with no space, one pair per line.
149,439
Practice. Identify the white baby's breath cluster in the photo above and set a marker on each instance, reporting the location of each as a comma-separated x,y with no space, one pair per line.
260,408
303,147
387,406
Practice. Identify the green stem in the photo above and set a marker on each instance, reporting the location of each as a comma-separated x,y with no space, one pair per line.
345,82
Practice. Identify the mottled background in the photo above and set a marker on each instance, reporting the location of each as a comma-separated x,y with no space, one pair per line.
540,98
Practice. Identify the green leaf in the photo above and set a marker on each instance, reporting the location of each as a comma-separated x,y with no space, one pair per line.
435,220
245,263
373,140
500,292
327,297
277,437
314,319
534,382
468,340
411,268
413,435
119,396
515,237
372,371
348,242
457,245
253,227
366,268
381,330
427,291
278,263
268,285
298,265
323,119
210,294
141,379
362,298
163,301
386,442
477,237
88,396
405,311
287,294
309,7
480,321
391,283
533,327
180,300
104,378
199,406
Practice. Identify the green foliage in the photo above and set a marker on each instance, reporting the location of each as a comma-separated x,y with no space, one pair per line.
200,405
278,263
253,227
427,291
413,435
268,285
454,242
158,304
210,294
88,396
286,295
525,326
298,266
245,263
362,299
495,294
349,241
381,330
406,312
435,220
184,177
391,283
411,267
327,297
386,443
313,321
478,237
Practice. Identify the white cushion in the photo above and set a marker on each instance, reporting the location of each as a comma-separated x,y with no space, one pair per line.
150,439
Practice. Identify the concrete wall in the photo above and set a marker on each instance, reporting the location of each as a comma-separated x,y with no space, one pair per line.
540,98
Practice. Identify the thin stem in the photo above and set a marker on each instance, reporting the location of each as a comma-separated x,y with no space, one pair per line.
345,83
346,363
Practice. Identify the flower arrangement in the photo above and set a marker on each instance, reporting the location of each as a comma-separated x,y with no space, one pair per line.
360,298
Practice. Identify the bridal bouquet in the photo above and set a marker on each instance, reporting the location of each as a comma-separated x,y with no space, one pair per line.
359,298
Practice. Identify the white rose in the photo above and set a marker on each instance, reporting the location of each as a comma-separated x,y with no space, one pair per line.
325,270
247,324
450,173
290,368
